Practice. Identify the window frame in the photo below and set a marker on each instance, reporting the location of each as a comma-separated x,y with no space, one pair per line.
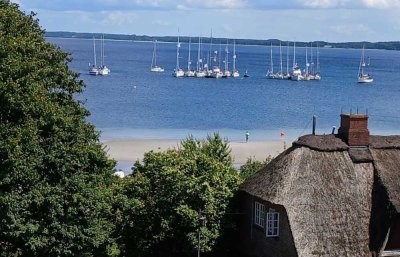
259,214
272,223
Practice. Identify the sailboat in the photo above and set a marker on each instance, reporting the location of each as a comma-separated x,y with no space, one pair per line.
235,72
270,72
227,73
296,71
306,75
154,66
103,70
189,72
93,70
178,72
363,77
200,73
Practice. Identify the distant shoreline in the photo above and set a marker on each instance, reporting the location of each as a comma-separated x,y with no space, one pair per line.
390,45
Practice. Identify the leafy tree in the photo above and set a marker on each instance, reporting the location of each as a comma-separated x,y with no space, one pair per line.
54,175
252,166
180,191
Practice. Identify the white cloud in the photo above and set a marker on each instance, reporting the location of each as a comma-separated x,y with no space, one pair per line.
215,4
382,4
350,29
325,3
161,23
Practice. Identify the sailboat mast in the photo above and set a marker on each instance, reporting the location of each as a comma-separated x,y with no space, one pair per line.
198,55
189,61
318,58
280,55
153,59
102,52
94,52
272,63
234,55
219,55
227,55
287,57
307,59
312,60
209,51
177,53
294,53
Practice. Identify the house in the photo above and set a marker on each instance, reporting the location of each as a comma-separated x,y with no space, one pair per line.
327,195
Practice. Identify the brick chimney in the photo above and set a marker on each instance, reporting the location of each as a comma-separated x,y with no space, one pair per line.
354,129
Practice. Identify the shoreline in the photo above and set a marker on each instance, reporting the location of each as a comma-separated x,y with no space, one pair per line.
129,151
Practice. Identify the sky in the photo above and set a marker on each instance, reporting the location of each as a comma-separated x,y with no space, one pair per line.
300,20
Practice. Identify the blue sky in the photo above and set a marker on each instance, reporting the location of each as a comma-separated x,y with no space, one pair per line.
301,20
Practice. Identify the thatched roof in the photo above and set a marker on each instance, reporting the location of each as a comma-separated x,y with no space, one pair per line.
326,189
387,165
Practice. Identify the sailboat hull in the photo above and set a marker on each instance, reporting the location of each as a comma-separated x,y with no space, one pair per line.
365,80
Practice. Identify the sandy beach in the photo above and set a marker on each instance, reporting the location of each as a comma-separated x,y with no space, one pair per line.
132,150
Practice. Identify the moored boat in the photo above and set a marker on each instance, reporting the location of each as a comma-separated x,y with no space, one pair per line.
154,66
364,77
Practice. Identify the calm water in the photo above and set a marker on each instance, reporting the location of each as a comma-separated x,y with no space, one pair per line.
134,103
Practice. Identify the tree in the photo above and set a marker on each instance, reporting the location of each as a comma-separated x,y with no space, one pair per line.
54,175
252,166
183,192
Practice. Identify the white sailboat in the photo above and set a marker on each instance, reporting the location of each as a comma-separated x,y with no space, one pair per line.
235,72
189,72
280,74
306,75
226,73
287,74
364,77
103,69
270,72
200,73
178,72
154,66
216,70
296,71
93,70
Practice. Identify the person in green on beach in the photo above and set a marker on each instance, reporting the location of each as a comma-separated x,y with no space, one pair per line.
247,134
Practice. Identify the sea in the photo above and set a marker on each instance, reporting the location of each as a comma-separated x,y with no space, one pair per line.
134,103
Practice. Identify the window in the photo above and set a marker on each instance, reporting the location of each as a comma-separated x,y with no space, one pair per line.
259,214
272,229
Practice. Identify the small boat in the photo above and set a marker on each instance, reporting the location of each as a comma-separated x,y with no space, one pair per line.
270,72
364,77
226,73
246,75
103,69
295,75
200,72
93,70
154,66
189,72
178,72
235,72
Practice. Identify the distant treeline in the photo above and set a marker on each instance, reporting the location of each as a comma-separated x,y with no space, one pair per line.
394,45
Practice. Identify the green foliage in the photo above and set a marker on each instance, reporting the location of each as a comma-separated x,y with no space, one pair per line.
54,175
252,166
172,190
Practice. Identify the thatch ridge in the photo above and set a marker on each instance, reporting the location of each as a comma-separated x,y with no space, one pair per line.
328,143
385,142
360,155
